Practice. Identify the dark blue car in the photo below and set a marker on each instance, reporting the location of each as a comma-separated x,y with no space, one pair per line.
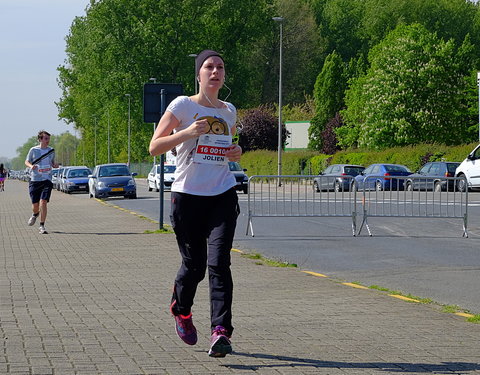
376,177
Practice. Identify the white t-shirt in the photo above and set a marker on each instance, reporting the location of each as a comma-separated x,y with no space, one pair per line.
44,170
201,178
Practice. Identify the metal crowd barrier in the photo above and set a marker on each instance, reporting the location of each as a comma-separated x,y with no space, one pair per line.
413,197
343,196
295,196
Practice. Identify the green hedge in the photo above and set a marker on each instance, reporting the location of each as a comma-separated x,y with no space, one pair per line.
310,162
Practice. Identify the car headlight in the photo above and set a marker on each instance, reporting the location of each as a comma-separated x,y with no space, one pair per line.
101,184
131,183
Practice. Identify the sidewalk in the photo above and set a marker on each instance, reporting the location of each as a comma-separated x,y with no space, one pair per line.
92,297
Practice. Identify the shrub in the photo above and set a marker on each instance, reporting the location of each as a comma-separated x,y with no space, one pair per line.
258,130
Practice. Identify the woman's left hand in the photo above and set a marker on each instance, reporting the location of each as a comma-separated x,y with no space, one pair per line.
234,152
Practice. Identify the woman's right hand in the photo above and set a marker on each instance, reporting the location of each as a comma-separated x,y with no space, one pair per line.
198,128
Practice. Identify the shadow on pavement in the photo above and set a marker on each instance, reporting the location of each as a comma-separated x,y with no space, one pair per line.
400,367
98,234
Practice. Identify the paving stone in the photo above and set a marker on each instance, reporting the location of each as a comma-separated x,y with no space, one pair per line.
92,297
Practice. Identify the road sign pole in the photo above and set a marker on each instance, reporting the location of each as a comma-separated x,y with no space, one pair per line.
163,99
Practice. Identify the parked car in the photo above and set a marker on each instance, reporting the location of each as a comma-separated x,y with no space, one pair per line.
375,177
56,181
439,169
54,177
470,169
112,180
335,182
76,179
240,176
153,178
61,179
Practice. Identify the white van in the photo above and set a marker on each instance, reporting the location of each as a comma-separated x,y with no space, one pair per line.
470,169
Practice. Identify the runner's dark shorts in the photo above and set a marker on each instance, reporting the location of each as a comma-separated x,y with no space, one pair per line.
40,190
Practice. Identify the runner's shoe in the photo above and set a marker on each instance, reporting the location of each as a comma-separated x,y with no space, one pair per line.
220,343
32,220
42,230
184,327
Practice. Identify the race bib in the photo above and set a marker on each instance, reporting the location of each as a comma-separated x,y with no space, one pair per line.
211,149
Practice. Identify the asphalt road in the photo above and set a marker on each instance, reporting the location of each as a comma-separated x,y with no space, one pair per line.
425,258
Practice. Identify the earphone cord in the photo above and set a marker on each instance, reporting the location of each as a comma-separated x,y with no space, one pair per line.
229,91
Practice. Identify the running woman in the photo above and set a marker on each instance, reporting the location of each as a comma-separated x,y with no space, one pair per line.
204,206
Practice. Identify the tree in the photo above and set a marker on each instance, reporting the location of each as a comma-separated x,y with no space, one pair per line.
65,146
328,95
18,163
301,54
413,92
120,44
259,130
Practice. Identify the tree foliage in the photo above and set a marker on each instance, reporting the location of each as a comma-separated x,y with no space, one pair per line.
328,96
119,45
413,92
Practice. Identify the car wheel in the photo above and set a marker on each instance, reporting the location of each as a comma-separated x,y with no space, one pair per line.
134,196
438,186
149,188
461,184
336,187
409,186
378,186
315,187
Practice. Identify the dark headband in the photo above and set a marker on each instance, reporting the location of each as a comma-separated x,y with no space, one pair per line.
202,56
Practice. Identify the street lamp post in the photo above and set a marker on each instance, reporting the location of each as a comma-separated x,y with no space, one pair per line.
194,55
128,147
95,140
280,21
108,137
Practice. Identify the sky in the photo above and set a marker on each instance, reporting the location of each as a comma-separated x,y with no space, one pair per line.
32,46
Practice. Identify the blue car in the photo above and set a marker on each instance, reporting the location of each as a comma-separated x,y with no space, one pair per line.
112,180
375,177
76,179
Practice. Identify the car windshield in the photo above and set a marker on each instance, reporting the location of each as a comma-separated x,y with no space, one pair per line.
167,169
234,166
396,168
114,170
353,171
74,173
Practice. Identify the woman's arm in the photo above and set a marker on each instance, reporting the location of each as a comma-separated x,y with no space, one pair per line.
163,139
